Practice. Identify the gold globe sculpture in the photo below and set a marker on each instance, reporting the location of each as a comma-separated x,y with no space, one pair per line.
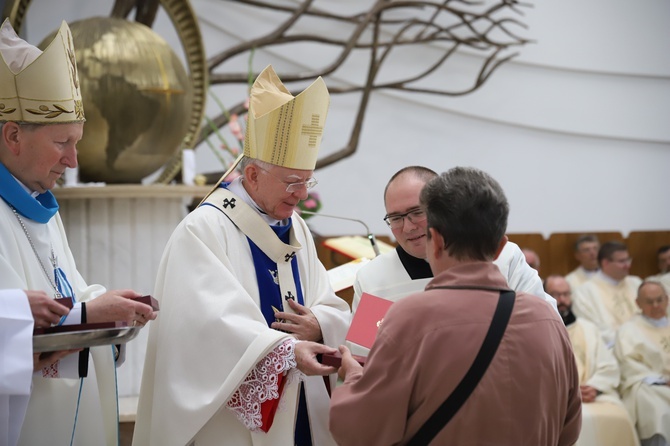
137,99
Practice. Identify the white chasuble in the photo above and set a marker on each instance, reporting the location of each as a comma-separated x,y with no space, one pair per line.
53,401
578,277
605,421
16,370
643,351
211,335
606,304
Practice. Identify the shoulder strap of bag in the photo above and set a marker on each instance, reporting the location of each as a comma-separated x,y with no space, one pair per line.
462,392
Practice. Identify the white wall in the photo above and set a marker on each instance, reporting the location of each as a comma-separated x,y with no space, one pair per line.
576,129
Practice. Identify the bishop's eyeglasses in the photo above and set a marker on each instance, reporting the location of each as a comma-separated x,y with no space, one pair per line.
396,221
294,187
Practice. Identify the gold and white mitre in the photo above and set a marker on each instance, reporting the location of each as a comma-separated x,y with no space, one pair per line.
284,130
39,87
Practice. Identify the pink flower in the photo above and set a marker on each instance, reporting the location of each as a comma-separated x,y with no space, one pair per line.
310,203
235,128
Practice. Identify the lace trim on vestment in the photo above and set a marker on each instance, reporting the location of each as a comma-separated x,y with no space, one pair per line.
261,385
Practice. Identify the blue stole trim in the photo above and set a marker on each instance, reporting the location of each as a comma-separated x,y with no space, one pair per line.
64,288
39,209
268,289
270,295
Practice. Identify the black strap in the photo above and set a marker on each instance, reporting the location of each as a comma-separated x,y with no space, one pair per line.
83,355
462,392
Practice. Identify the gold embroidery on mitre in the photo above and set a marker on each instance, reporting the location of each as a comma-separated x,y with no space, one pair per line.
6,111
47,89
282,129
313,130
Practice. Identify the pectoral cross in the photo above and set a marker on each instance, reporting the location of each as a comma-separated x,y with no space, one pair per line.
53,259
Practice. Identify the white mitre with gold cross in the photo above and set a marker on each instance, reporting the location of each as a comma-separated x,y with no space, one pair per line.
39,87
284,130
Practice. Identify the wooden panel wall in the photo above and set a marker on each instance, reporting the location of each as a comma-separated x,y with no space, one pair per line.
557,252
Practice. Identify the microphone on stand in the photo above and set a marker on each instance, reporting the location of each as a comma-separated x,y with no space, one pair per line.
370,235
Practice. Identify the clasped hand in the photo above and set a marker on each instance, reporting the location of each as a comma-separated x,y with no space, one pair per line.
303,324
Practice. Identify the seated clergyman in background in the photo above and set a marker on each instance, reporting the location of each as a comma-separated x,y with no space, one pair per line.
532,259
242,291
608,299
643,350
405,270
428,341
586,253
605,421
663,276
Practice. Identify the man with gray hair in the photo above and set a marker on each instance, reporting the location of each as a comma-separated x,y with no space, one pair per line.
643,349
73,398
429,340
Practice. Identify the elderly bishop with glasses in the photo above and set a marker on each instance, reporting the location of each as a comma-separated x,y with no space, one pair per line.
246,303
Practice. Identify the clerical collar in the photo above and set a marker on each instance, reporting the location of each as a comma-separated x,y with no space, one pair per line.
588,272
238,189
658,323
569,318
605,278
39,208
415,267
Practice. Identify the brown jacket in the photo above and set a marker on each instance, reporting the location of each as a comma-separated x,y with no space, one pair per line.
528,396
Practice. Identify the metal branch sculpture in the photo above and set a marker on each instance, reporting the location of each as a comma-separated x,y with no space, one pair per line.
485,27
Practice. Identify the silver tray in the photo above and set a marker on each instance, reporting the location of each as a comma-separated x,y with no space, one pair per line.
84,338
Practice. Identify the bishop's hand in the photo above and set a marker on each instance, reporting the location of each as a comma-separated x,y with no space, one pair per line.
305,357
41,360
45,310
303,324
116,305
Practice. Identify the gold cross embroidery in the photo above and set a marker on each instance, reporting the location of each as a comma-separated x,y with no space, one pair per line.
313,130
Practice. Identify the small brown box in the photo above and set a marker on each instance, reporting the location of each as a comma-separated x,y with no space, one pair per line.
66,301
147,300
335,359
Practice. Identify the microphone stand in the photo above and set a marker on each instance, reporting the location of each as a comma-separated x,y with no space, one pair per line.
370,235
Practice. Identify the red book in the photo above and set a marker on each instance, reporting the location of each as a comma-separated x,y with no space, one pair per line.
367,320
364,326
